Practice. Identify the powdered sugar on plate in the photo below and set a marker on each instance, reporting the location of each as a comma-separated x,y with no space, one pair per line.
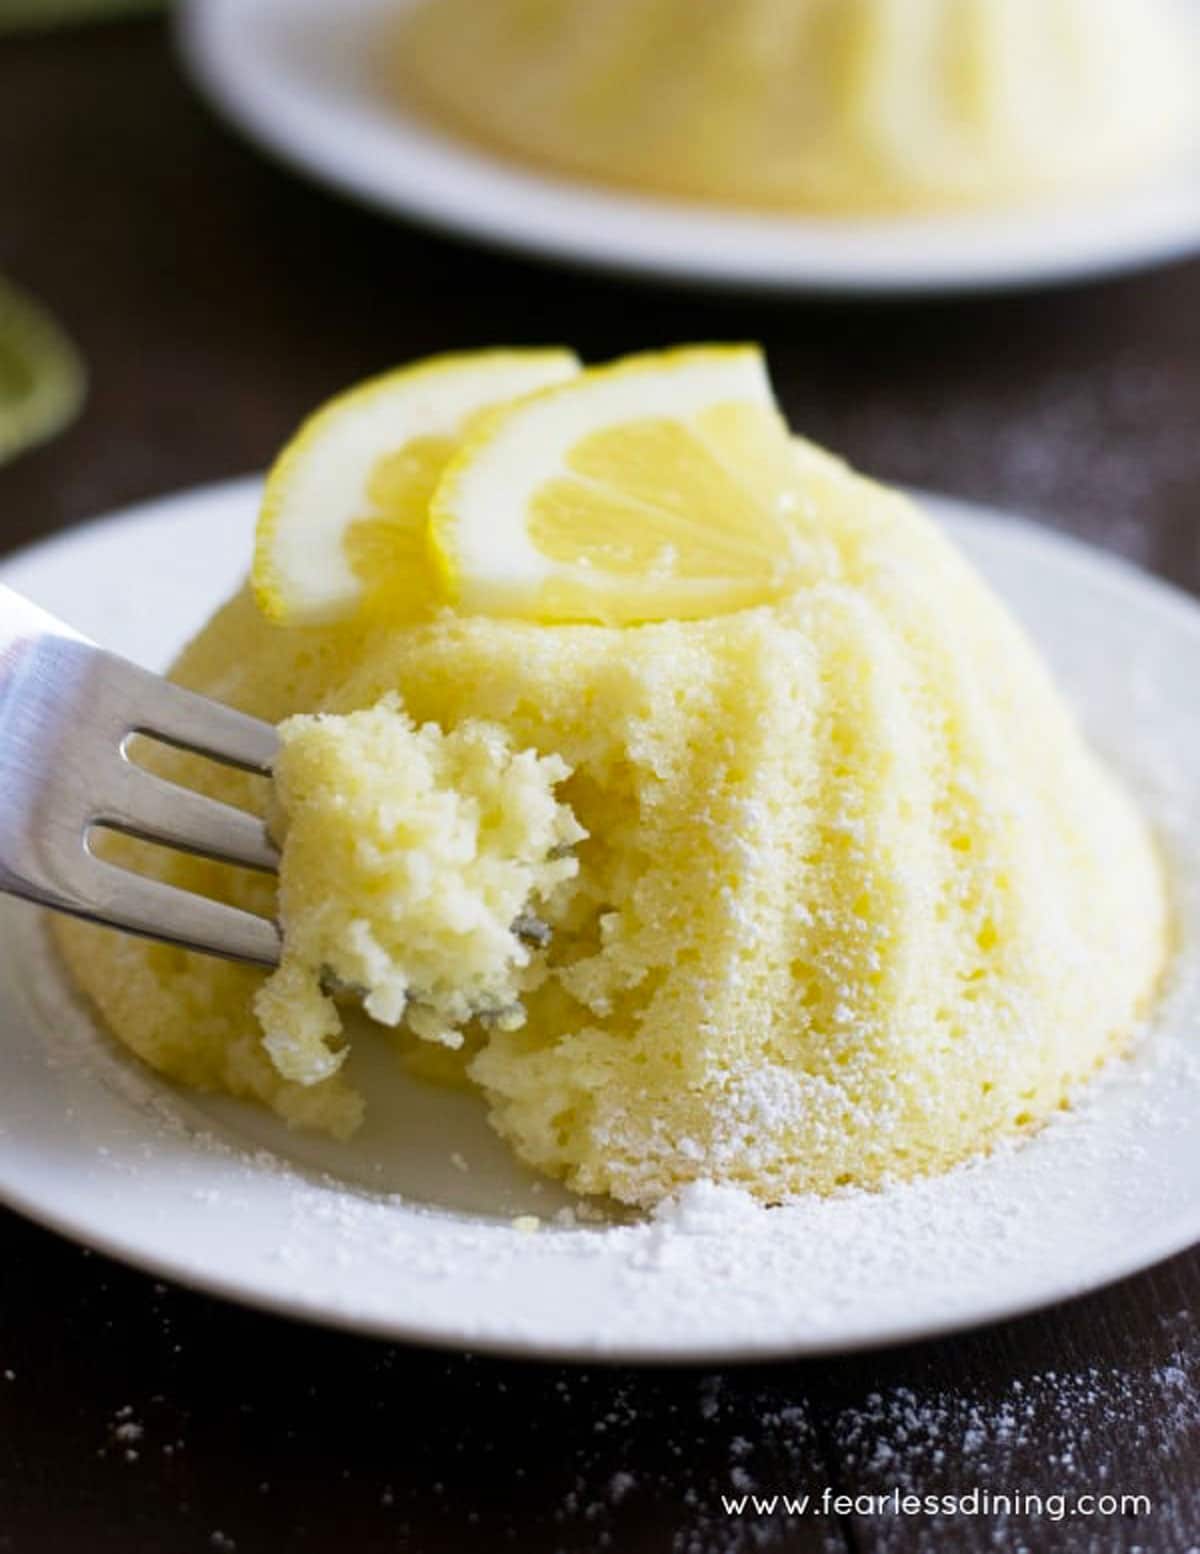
431,1248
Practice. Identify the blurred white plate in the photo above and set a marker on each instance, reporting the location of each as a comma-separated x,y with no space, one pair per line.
299,77
407,1231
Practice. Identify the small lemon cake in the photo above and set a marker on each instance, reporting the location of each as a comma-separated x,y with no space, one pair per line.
414,867
824,105
847,896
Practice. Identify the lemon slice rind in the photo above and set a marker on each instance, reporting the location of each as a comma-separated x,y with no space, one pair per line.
42,378
318,486
479,530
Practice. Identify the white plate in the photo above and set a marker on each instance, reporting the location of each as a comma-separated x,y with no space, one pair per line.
297,76
391,1234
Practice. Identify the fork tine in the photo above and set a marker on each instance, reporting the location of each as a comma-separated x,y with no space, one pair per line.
177,716
122,899
67,709
148,806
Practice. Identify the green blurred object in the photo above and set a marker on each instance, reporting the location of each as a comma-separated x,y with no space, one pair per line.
42,378
27,15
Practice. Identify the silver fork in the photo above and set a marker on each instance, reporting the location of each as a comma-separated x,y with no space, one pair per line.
68,711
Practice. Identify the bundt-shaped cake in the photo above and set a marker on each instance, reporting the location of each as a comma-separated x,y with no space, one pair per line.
855,899
826,105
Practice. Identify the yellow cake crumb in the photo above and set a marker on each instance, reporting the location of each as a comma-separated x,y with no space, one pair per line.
418,871
855,900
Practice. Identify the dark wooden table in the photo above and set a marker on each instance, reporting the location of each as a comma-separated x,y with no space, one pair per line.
216,299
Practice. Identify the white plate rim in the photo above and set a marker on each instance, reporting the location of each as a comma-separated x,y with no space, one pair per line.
1172,1234
407,169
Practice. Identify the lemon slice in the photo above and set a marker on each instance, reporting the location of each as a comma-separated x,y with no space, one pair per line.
41,376
661,486
344,515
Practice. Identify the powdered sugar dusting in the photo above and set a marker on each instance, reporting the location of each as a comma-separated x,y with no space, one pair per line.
816,1271
1105,1187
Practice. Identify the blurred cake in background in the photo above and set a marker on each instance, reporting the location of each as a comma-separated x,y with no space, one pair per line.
821,105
